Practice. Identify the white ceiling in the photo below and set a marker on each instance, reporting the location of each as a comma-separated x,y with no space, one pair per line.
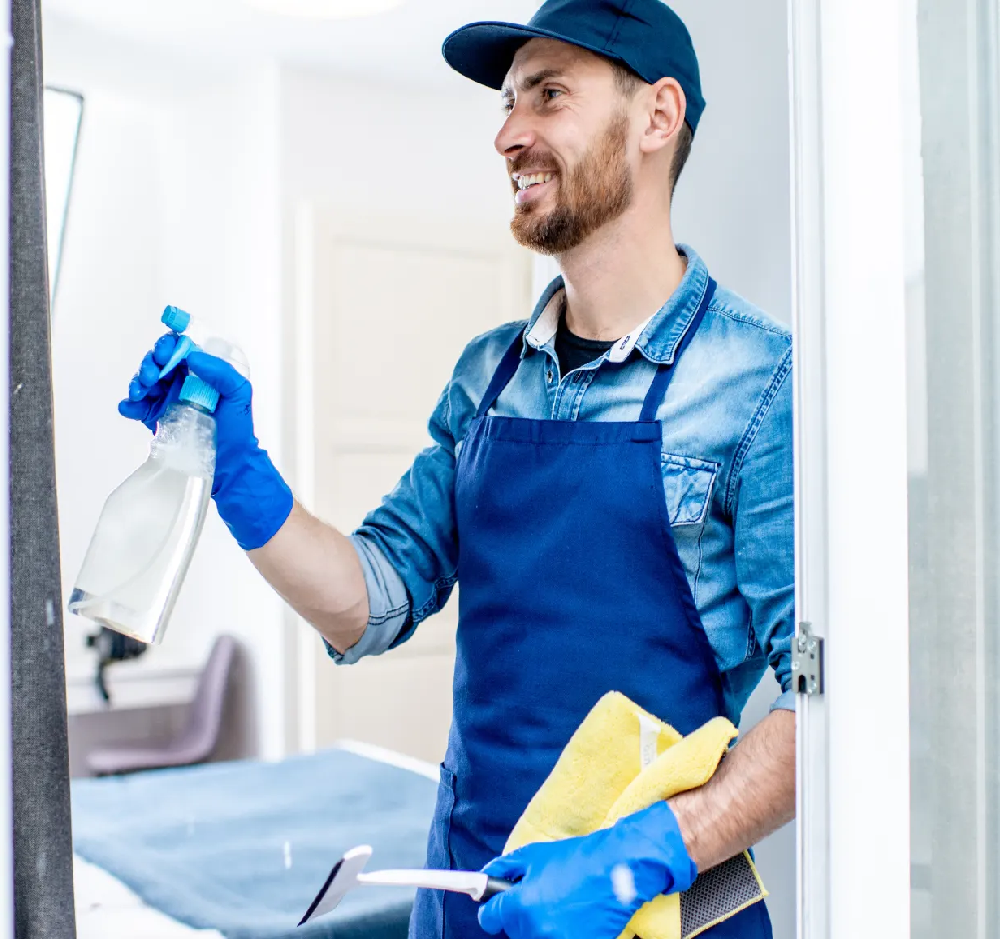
402,44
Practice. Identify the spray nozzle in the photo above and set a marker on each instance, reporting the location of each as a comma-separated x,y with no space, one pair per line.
195,390
176,319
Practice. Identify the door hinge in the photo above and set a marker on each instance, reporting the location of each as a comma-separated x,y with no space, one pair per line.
807,662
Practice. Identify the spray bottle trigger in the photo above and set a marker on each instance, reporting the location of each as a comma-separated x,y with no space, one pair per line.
184,346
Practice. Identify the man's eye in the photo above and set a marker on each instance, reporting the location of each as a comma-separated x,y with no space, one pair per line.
549,93
507,106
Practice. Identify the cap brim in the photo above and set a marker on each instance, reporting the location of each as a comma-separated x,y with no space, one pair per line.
484,51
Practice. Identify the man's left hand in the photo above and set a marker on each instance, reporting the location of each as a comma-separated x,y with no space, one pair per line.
589,887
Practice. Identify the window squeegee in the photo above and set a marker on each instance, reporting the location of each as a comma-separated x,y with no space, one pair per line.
348,873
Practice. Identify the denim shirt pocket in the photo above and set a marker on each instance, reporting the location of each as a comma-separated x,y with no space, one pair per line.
688,484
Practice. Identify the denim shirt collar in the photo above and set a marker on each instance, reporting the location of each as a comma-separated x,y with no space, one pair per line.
661,335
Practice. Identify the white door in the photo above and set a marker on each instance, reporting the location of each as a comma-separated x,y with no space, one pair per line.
384,309
851,435
897,146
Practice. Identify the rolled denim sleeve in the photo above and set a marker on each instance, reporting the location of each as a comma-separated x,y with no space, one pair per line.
764,529
388,605
408,546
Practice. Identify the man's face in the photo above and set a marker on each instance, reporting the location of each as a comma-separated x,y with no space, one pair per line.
566,145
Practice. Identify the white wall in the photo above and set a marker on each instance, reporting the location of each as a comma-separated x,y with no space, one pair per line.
110,290
176,200
388,150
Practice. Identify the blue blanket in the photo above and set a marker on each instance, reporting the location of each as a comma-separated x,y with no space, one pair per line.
244,847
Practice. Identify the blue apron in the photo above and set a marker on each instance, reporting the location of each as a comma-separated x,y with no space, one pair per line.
570,586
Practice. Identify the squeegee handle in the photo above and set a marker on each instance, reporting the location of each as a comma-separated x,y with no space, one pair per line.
493,887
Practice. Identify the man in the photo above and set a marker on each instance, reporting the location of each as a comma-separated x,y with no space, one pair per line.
611,483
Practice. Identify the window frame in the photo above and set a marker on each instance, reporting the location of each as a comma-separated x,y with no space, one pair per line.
56,248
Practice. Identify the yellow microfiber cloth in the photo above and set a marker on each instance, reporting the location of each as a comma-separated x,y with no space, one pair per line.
621,760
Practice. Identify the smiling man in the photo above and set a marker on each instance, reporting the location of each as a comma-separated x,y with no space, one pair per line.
610,482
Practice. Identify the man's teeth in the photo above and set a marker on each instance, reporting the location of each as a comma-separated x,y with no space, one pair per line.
525,182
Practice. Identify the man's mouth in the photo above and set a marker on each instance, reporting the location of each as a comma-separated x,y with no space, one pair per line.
531,186
535,179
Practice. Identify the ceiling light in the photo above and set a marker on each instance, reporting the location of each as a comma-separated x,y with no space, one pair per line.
326,9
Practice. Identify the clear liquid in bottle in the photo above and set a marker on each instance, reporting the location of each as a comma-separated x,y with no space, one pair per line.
148,530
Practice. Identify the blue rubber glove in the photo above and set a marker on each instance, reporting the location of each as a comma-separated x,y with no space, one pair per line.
148,396
252,498
589,887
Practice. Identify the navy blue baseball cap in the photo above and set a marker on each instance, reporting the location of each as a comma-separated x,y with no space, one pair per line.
645,35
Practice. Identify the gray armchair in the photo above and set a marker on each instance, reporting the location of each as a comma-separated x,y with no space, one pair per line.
196,742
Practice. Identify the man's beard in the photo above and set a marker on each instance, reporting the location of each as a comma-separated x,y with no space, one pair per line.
596,192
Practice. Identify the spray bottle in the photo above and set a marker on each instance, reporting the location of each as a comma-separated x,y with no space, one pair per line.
150,525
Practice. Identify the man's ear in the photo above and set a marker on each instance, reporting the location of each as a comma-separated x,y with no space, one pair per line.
666,107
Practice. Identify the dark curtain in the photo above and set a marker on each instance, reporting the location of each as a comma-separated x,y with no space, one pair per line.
43,860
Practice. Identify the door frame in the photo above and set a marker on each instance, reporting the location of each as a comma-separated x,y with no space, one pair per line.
853,761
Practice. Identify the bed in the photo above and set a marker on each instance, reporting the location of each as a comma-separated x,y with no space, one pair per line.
238,850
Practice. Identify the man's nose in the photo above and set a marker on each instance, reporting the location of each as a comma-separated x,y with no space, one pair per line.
516,134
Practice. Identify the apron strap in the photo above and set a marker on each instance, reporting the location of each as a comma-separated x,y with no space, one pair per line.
502,376
661,381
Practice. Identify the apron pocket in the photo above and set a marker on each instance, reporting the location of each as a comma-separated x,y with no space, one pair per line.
438,851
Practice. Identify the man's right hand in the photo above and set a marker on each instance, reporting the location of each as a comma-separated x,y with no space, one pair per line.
310,564
252,498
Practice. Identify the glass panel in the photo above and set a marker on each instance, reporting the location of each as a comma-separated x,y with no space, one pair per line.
952,317
63,111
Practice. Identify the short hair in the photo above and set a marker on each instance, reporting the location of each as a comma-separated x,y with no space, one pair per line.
628,82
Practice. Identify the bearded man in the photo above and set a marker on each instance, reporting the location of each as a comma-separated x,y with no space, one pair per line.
610,481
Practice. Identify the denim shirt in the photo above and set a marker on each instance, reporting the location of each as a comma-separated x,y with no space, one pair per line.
726,462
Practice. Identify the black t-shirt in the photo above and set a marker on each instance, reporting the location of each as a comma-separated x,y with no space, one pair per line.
574,351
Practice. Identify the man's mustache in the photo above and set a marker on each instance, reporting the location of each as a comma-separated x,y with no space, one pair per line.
532,159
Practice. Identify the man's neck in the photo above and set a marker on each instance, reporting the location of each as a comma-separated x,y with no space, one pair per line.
620,277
